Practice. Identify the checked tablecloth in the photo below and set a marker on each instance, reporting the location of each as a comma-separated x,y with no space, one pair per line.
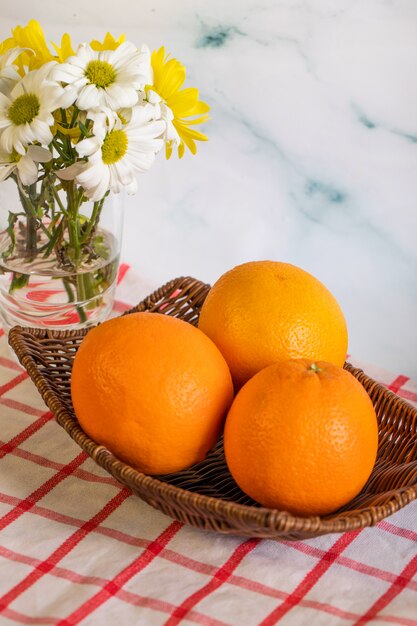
77,548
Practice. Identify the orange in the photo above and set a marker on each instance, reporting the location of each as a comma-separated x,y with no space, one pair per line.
301,436
153,389
263,312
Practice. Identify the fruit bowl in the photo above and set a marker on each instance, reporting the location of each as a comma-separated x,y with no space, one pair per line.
206,496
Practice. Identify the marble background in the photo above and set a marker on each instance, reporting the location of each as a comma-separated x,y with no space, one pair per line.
312,157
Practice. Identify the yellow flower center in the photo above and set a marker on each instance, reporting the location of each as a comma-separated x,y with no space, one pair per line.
100,73
15,157
114,146
24,109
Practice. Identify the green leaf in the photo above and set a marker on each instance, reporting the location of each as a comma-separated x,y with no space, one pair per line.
83,129
12,219
100,247
18,281
57,234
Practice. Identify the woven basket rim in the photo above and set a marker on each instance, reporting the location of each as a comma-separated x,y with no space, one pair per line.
273,520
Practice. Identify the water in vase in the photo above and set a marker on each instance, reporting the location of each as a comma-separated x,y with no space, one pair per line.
42,289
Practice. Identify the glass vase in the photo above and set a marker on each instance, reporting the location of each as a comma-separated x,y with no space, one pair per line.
59,256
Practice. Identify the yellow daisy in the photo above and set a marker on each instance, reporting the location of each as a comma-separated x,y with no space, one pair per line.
66,50
184,107
108,43
32,37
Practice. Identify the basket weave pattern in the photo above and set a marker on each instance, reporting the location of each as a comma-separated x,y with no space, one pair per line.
206,495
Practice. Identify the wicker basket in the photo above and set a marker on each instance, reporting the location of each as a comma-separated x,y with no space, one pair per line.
206,496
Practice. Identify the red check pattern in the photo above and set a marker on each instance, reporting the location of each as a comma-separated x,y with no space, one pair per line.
77,548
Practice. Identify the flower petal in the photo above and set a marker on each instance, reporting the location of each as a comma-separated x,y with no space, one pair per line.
67,98
40,132
67,72
88,98
6,139
6,170
119,97
5,102
39,154
71,172
28,171
88,146
132,187
95,181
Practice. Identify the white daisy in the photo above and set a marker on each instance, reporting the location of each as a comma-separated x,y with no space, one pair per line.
8,72
104,120
26,165
26,115
125,151
106,78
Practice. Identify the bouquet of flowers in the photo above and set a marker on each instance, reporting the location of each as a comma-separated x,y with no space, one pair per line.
75,126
